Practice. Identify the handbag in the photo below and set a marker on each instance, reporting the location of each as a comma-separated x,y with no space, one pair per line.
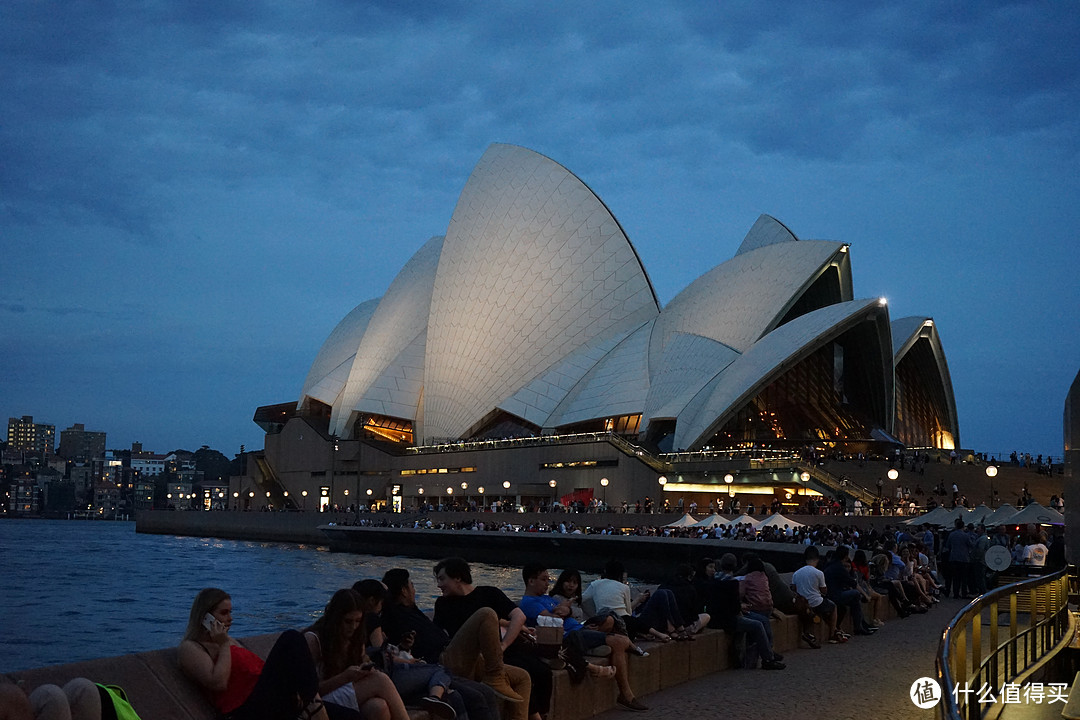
114,703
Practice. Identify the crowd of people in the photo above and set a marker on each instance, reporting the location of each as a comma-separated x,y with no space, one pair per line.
480,655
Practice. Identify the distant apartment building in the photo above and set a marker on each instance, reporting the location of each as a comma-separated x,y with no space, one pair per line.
147,464
78,444
25,435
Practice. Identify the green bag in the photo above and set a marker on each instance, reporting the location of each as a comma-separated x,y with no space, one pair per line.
114,703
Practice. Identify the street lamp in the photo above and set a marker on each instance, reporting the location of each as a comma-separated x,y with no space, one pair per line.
304,493
481,491
991,472
604,484
552,484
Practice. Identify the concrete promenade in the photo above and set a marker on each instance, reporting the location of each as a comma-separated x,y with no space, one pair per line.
868,677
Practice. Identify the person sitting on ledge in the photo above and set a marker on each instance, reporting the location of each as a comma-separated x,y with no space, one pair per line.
658,615
478,645
239,684
461,600
537,602
726,608
79,699
809,583
347,678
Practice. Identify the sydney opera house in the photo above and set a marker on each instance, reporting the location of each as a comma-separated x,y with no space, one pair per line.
524,356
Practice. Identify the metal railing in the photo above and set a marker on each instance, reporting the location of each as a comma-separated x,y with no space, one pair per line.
972,669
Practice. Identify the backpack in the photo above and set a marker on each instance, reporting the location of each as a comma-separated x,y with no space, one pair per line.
114,703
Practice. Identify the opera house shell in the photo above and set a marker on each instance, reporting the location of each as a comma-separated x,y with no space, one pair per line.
533,316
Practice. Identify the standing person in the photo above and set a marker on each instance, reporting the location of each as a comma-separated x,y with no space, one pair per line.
958,546
336,642
239,684
1035,553
461,600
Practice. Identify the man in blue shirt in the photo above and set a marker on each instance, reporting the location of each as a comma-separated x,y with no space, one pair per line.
536,602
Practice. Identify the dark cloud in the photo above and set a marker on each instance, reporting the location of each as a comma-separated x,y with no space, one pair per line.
183,175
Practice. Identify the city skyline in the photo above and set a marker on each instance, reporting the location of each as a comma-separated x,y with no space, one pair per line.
192,198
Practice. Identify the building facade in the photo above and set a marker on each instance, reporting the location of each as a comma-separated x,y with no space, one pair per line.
527,346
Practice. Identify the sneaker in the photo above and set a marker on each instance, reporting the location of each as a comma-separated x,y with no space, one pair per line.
438,708
501,687
694,628
838,638
810,640
777,657
636,649
633,704
772,665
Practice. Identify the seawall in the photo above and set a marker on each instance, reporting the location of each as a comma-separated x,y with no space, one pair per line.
647,558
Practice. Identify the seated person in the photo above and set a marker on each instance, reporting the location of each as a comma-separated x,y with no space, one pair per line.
658,615
336,642
809,583
844,591
567,589
479,644
687,599
239,684
79,699
536,602
724,605
461,600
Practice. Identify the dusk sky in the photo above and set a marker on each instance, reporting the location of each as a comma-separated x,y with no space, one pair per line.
192,195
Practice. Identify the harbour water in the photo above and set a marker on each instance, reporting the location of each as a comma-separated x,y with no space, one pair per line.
78,590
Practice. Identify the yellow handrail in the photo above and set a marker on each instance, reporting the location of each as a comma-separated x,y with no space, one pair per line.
968,687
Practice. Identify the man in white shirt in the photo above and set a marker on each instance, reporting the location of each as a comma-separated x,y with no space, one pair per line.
809,582
1035,553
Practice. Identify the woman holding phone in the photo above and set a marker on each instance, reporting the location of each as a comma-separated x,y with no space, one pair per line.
237,681
346,677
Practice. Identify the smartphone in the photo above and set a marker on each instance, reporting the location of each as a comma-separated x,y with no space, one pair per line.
208,622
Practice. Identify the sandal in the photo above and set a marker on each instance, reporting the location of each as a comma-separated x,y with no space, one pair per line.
601,671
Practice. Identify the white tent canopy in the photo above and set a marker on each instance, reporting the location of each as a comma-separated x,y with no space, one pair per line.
980,513
1035,513
743,519
938,516
711,521
686,520
999,516
778,520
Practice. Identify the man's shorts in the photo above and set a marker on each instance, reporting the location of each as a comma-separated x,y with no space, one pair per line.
826,608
